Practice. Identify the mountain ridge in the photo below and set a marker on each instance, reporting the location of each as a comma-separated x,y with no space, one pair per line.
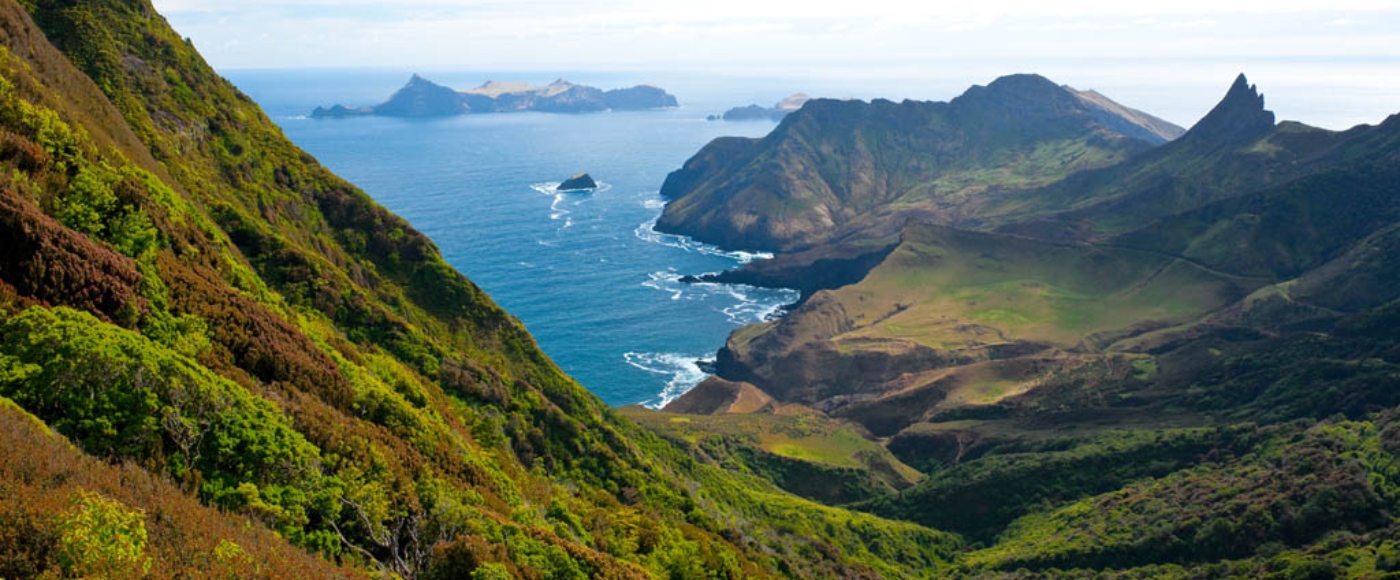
789,191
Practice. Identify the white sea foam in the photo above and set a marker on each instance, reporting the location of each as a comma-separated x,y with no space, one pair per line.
647,232
740,304
681,369
563,200
552,188
667,281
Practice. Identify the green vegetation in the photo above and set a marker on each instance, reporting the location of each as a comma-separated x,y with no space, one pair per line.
804,453
218,360
99,537
955,320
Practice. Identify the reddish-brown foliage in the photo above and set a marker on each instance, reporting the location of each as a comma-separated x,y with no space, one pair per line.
248,335
23,152
45,261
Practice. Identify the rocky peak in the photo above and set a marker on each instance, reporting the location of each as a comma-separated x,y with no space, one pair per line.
1017,90
1239,116
422,98
1017,103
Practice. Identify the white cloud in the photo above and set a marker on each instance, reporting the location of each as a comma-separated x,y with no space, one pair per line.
553,34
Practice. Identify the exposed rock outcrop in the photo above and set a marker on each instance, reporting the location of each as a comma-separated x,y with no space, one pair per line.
579,182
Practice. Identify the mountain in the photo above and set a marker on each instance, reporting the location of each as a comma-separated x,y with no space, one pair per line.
218,359
843,170
424,98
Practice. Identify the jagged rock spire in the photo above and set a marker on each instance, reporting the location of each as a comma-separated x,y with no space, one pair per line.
1239,116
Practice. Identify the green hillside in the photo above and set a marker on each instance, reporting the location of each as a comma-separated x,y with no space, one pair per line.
189,298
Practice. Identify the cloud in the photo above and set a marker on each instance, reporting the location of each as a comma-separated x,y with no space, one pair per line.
640,33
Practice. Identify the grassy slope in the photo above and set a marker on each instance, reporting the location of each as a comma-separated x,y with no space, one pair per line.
802,451
277,345
947,313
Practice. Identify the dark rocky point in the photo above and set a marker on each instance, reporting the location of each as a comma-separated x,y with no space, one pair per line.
580,182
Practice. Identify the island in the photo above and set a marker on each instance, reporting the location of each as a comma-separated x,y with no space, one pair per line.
776,112
580,182
424,98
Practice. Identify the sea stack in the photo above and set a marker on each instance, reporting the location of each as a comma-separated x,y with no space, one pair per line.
578,182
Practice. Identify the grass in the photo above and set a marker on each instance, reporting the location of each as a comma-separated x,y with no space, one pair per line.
944,288
801,434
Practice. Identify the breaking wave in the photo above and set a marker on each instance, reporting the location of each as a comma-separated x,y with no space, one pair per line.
681,369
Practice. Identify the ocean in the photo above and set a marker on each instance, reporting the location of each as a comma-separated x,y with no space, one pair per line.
585,273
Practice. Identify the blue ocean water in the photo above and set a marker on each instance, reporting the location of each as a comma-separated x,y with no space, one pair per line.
584,271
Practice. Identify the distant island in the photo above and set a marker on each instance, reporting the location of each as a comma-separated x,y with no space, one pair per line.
424,98
776,112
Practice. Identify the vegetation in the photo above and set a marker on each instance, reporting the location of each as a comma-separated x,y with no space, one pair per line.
218,360
804,452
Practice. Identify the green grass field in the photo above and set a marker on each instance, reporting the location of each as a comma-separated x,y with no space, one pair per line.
944,288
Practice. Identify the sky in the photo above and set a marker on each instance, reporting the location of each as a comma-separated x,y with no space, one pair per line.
1350,43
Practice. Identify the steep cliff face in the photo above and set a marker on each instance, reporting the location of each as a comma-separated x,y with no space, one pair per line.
838,170
189,296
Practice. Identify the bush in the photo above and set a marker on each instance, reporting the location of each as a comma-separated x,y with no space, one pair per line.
102,538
